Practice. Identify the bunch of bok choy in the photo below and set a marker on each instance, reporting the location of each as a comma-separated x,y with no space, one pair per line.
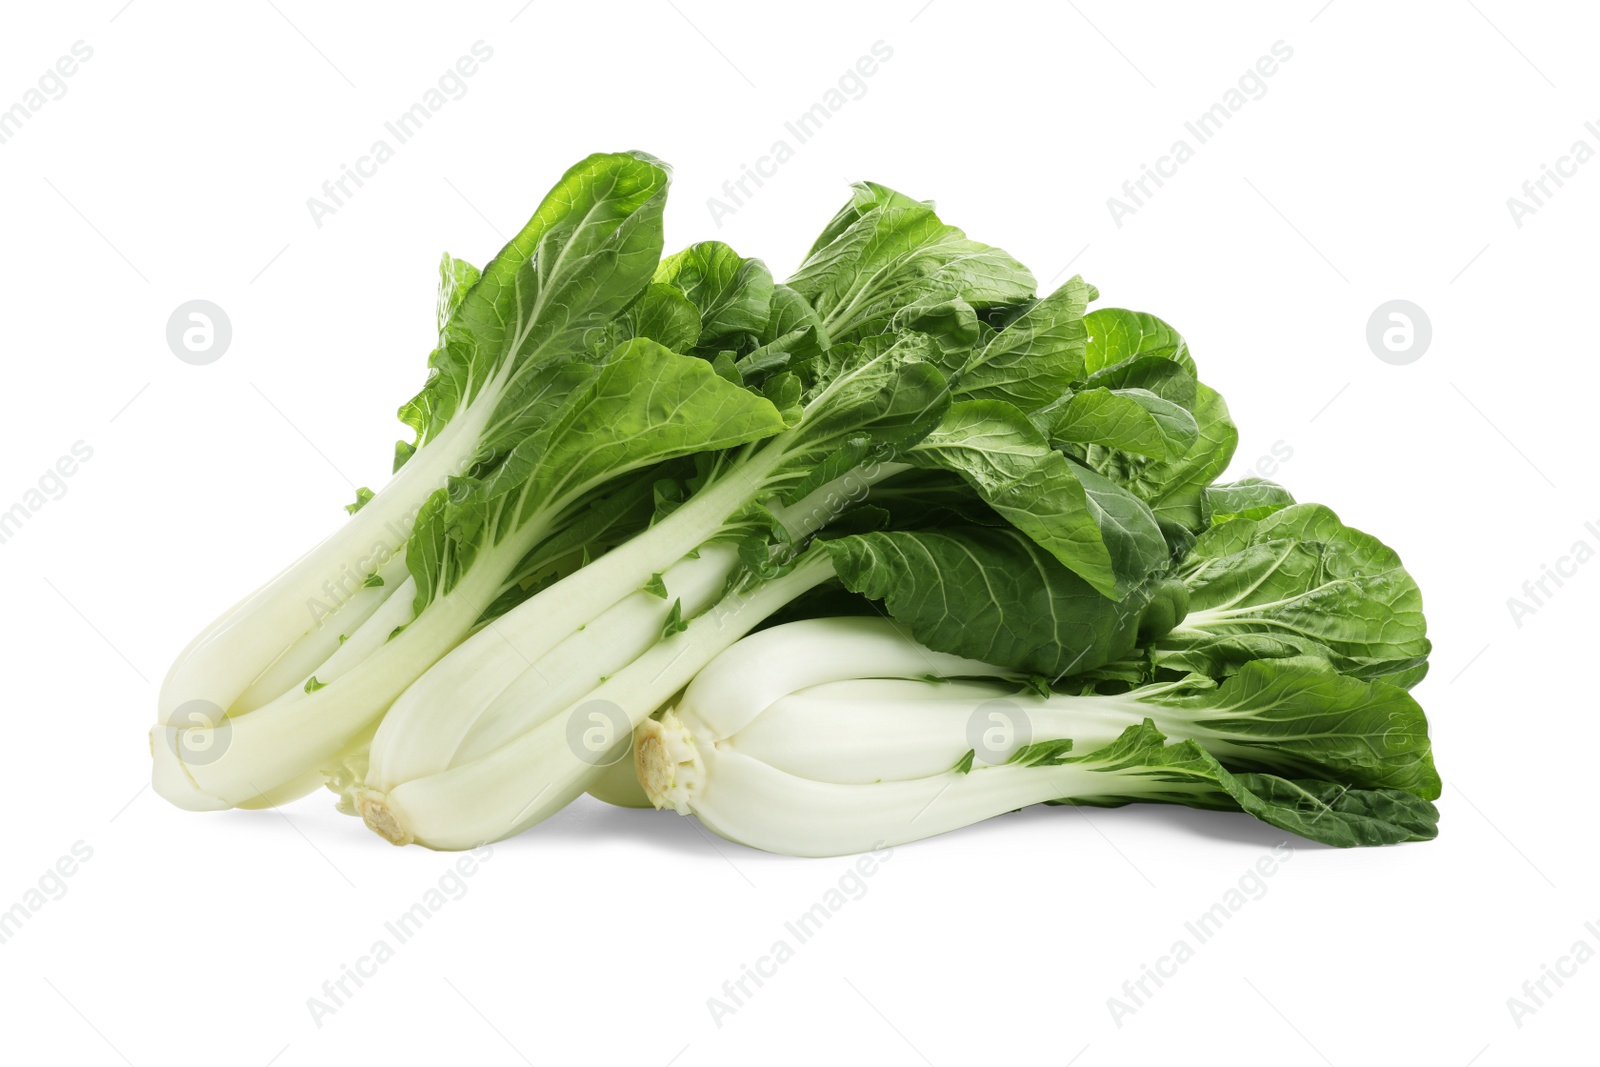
903,463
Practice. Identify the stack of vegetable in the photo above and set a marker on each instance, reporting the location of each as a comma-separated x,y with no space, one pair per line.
978,528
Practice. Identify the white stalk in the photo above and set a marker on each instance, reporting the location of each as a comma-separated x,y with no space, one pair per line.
248,757
750,676
542,770
256,755
302,659
747,800
493,697
826,736
238,648
872,729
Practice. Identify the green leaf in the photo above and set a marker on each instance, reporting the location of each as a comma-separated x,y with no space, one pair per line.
1133,420
1330,813
373,581
1298,582
1142,766
1175,488
950,321
733,294
1133,539
793,335
1301,718
675,623
864,196
792,314
664,315
312,685
644,405
1116,335
362,496
1248,498
726,369
964,765
624,510
1037,356
1042,753
866,403
930,499
586,254
1166,378
990,594
877,260
403,450
456,276
656,586
783,390
1107,537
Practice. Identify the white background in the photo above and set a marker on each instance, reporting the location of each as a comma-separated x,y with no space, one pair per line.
1376,166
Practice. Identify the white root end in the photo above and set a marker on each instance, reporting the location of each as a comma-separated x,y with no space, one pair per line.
380,820
667,762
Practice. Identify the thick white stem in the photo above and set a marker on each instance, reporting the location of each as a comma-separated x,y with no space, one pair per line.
253,756
855,700
745,680
315,592
754,803
545,768
311,651
481,696
823,737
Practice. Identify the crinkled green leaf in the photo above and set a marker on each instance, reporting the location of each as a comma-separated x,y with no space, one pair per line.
1039,353
1174,488
1298,582
1142,766
793,334
1247,498
456,276
587,253
989,594
1112,542
1132,420
733,294
864,196
1116,334
866,402
878,260
1301,718
664,315
1168,379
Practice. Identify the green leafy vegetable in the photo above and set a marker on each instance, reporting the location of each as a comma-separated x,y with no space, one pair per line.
947,502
